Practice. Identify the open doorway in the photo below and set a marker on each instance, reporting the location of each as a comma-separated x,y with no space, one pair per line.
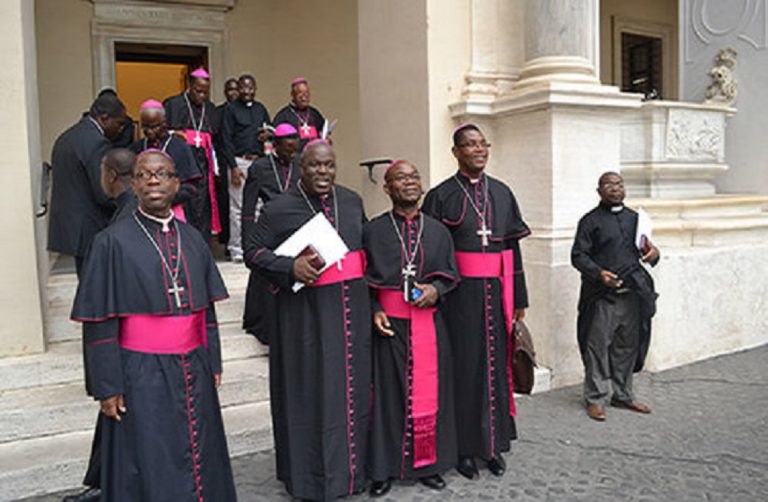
153,71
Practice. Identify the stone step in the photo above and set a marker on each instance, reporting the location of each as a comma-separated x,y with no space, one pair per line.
54,463
713,207
63,361
58,409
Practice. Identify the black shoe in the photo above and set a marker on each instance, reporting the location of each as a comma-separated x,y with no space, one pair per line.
467,467
87,495
380,488
497,466
436,482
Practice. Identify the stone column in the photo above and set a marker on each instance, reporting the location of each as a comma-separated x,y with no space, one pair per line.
21,331
560,41
553,134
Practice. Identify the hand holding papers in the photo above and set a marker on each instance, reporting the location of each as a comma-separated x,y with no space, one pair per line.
321,238
644,230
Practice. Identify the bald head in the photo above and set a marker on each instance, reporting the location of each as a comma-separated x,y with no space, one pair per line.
318,167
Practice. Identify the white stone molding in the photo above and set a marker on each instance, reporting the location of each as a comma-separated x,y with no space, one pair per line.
749,26
218,4
157,23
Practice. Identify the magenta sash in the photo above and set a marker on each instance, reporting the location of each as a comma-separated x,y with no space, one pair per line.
352,267
207,145
501,266
159,334
424,381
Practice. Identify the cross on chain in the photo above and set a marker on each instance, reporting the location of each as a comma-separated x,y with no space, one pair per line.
484,233
409,271
176,291
198,140
305,128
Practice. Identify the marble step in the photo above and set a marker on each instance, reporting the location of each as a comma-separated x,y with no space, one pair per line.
713,207
63,361
54,463
61,408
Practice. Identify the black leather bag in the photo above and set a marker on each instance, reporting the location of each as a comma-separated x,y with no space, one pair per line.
523,358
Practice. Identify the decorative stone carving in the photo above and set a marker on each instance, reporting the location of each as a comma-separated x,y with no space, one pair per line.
692,135
724,87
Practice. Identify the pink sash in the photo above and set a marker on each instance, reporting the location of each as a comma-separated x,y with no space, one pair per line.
206,143
352,267
501,266
424,384
159,334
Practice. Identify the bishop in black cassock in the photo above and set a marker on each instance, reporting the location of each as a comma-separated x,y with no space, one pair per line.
485,222
300,114
617,299
268,177
152,351
413,431
320,354
190,203
190,116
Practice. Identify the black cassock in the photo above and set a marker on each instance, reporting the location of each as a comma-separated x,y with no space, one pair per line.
267,178
477,325
309,122
202,118
192,192
320,354
392,423
170,445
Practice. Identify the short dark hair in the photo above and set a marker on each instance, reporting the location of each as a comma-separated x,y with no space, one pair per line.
246,76
605,174
120,160
107,104
230,80
459,132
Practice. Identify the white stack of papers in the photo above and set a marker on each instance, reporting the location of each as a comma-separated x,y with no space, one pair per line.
320,234
644,228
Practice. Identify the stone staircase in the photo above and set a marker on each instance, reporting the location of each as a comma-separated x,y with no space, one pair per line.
47,419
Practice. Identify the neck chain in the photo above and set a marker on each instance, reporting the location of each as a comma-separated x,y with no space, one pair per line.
175,289
484,231
409,270
277,176
197,127
302,121
314,211
164,145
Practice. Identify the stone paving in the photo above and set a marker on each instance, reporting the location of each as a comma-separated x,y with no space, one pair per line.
706,440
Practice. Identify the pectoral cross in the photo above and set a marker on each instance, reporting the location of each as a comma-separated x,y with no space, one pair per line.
176,291
408,273
198,139
305,129
484,233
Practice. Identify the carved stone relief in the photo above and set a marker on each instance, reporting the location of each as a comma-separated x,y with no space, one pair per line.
746,22
724,87
694,136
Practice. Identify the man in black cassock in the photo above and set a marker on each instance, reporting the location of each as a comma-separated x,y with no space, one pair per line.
320,354
189,115
413,428
152,350
617,299
243,134
79,208
483,217
268,177
190,203
300,114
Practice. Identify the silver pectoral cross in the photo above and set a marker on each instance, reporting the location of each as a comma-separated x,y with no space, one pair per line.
408,272
305,129
176,291
198,139
484,233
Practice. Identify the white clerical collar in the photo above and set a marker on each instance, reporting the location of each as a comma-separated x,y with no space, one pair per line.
96,123
163,221
249,104
617,209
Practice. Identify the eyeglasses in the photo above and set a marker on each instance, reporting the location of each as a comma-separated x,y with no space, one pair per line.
612,185
407,177
161,175
476,144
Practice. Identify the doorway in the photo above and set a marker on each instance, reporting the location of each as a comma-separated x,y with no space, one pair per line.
153,71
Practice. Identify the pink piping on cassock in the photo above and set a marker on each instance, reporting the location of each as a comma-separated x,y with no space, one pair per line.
424,371
191,423
207,145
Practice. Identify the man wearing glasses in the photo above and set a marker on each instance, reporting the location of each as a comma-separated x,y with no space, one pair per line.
152,351
485,222
617,299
